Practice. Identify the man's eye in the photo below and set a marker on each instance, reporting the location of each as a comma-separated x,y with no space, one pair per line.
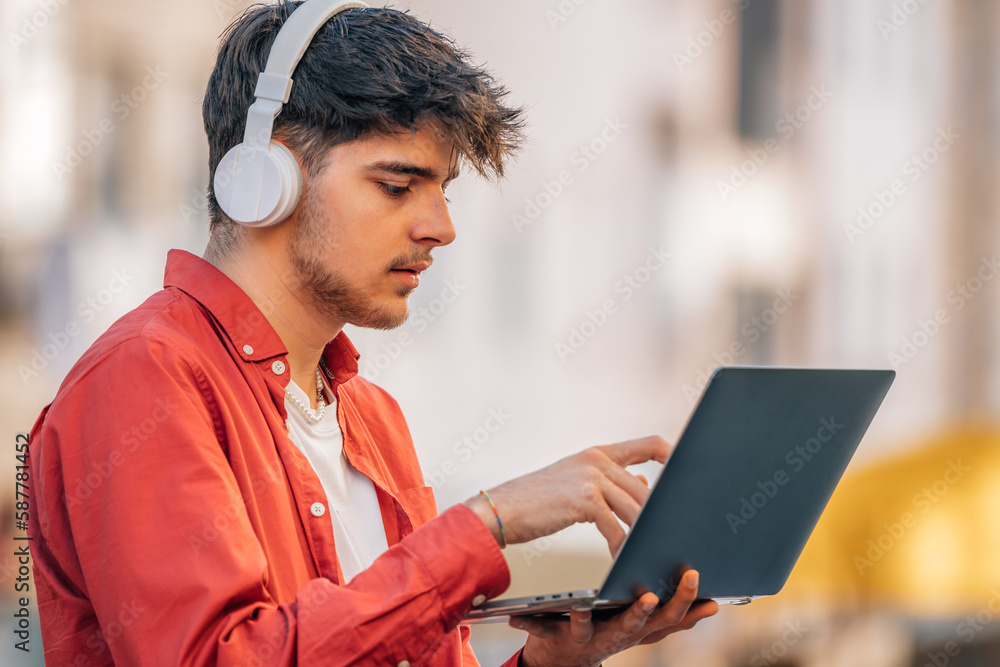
394,190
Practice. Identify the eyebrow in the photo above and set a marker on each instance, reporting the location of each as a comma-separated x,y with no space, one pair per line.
410,169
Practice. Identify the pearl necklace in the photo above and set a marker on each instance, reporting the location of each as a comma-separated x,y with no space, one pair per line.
312,416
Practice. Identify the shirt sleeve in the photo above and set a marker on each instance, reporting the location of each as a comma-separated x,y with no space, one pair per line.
114,516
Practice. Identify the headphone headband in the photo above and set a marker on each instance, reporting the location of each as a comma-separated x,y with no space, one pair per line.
274,85
258,183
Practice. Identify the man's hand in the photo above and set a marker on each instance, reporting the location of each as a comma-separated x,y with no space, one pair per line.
592,486
578,642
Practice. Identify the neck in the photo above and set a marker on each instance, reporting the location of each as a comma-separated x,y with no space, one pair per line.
271,285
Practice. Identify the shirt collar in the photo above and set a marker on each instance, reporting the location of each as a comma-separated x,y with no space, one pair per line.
243,322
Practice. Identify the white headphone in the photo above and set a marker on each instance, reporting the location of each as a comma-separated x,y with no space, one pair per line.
258,183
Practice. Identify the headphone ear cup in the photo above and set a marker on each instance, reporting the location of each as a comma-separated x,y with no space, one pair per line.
282,186
257,188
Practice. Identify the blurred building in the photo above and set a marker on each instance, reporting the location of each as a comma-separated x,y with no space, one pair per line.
746,181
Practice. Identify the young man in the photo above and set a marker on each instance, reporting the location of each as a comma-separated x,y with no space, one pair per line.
215,485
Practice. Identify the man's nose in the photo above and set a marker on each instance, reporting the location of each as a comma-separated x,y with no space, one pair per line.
435,225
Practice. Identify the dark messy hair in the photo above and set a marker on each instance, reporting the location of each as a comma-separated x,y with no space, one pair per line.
366,72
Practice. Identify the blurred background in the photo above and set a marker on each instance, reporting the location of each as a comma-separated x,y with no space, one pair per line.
706,182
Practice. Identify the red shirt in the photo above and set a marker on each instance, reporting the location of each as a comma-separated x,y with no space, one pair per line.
175,523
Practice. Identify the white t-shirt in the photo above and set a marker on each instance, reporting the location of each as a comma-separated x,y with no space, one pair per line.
352,504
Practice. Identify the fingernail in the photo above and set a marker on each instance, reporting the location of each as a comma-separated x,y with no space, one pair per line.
521,625
693,580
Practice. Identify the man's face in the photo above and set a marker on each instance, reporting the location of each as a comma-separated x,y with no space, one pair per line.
367,225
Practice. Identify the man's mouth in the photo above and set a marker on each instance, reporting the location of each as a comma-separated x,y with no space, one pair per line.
416,268
409,275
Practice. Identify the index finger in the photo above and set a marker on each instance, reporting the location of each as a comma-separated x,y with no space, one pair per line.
640,450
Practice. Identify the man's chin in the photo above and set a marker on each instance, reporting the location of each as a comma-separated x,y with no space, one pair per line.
384,319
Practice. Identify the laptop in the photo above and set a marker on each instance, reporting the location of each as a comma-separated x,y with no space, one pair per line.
740,494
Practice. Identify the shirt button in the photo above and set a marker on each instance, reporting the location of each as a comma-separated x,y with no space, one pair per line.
317,509
278,367
404,663
247,349
478,600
